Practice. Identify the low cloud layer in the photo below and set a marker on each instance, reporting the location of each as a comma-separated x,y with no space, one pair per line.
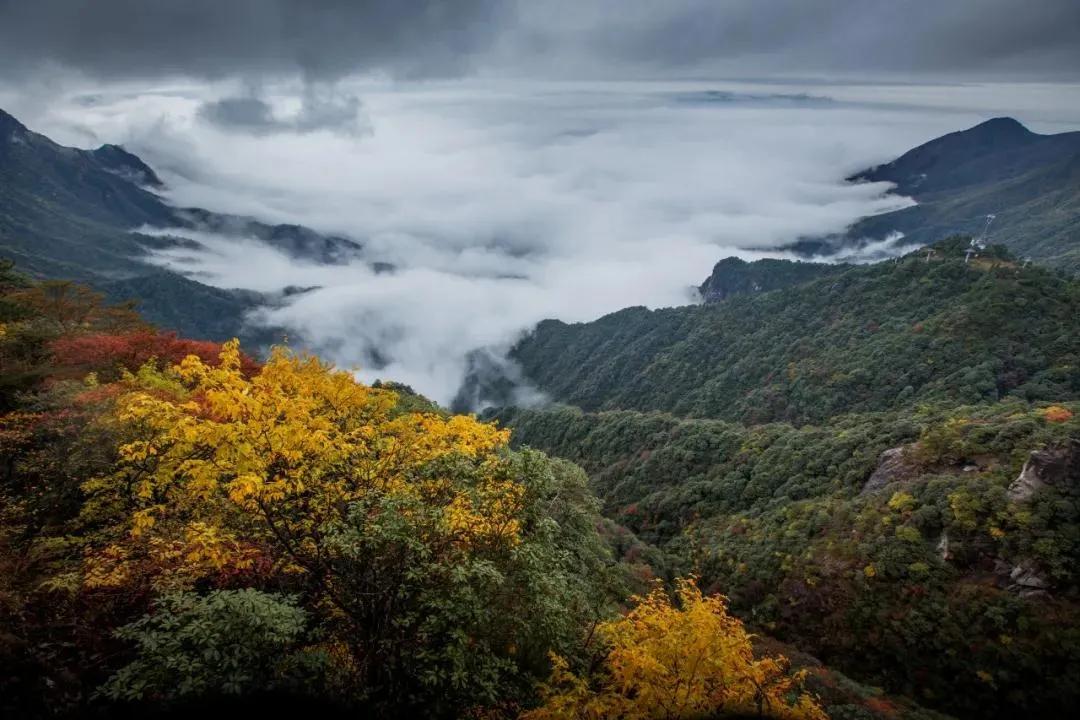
500,205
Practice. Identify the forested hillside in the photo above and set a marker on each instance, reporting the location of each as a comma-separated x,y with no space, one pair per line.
1029,182
184,529
81,215
880,466
828,491
897,546
875,337
734,276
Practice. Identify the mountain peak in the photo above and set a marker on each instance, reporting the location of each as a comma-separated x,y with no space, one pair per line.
118,160
998,147
1001,127
734,276
9,125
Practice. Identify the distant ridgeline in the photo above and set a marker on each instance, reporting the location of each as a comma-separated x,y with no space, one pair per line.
861,338
880,463
74,214
1029,182
733,276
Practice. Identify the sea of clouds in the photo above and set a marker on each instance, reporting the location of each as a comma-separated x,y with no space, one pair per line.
500,204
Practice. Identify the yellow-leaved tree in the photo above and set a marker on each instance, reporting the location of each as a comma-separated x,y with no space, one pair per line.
224,468
409,536
666,662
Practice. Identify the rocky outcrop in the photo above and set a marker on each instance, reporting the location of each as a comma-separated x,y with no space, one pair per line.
943,547
894,465
1057,466
1025,578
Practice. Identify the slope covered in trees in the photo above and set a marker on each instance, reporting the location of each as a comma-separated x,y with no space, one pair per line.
1030,182
181,525
897,546
870,338
79,215
881,466
734,276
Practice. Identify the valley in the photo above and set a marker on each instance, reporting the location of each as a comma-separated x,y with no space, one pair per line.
850,489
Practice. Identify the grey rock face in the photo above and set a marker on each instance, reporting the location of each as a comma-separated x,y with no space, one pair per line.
943,547
1052,466
1027,580
894,465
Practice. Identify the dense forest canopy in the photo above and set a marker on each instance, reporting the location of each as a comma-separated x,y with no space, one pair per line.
878,465
883,336
881,466
939,577
183,524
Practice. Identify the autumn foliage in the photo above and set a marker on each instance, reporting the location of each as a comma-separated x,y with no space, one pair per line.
106,354
180,522
223,468
689,660
1057,414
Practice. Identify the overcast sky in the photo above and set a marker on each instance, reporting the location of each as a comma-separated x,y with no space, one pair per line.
328,39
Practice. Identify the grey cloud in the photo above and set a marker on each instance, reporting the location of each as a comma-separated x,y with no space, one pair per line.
322,109
327,39
986,38
239,112
222,38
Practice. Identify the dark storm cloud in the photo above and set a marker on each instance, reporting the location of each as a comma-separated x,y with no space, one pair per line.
322,39
239,112
327,39
852,36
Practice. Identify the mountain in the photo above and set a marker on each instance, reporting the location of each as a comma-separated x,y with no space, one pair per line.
866,338
879,466
1029,182
76,214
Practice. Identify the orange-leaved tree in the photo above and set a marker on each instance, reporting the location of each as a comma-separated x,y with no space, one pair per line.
667,661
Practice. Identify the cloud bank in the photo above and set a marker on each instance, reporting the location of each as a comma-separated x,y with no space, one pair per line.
500,205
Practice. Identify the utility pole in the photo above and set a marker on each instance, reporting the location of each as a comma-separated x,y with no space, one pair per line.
981,242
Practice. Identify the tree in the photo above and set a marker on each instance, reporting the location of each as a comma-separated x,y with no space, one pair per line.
227,641
437,563
689,661
105,354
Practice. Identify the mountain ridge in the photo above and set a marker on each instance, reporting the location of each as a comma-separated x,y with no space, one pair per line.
1030,182
68,213
734,276
870,337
